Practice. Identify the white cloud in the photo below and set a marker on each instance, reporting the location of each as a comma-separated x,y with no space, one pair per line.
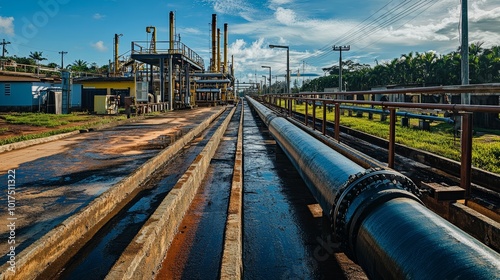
285,16
232,7
190,30
250,57
98,16
311,32
227,6
7,25
99,46
280,2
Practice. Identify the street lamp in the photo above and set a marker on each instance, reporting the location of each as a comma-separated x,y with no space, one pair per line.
269,77
287,64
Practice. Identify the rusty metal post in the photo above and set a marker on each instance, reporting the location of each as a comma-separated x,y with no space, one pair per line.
290,107
306,113
337,122
323,127
314,115
466,158
392,137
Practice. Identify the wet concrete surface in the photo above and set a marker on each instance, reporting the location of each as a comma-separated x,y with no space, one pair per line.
196,250
282,239
99,254
56,179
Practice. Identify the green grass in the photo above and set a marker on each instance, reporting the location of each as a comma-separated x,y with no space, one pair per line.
52,121
44,120
440,140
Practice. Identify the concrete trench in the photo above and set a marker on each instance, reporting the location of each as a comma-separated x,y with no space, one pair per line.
142,257
59,244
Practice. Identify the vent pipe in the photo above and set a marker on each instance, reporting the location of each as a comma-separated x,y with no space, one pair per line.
172,31
218,51
214,43
224,69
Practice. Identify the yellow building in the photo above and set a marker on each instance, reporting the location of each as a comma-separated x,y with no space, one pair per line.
102,86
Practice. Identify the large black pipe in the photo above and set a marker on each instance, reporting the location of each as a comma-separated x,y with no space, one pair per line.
378,217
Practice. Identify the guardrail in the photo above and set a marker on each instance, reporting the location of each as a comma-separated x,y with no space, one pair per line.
465,111
377,217
163,47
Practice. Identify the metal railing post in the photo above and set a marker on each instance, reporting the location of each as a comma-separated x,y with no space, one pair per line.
306,113
314,115
323,127
337,122
466,157
392,137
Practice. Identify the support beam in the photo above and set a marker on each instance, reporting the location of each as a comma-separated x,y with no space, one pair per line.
162,77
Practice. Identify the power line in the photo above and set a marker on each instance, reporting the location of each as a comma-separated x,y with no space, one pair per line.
389,17
365,46
349,33
35,48
328,46
414,7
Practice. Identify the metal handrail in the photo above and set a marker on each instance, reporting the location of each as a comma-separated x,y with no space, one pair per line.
140,47
464,110
476,88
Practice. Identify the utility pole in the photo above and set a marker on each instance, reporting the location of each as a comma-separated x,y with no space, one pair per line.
62,53
4,43
340,49
465,51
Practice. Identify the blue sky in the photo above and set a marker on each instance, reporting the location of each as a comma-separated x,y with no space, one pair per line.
376,30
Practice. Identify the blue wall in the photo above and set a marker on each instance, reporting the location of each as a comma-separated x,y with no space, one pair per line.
20,96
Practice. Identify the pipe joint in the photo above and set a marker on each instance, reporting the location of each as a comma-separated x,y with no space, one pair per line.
362,193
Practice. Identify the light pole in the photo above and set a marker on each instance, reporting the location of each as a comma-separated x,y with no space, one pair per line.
269,77
287,65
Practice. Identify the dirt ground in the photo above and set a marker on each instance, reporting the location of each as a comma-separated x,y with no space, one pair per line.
8,130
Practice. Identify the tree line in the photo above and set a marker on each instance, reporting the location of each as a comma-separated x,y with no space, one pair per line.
79,65
415,69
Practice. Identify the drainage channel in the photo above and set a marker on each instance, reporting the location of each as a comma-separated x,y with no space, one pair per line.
97,257
196,250
282,238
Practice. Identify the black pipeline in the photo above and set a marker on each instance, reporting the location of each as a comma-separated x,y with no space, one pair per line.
378,217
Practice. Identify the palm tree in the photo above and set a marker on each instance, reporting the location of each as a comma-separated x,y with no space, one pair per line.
37,56
79,66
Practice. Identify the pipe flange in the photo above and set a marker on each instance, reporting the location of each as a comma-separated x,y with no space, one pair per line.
355,185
